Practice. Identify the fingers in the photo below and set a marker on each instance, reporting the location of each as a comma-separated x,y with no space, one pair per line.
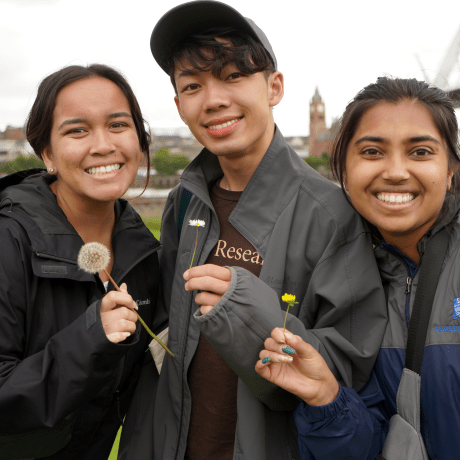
115,299
118,337
212,270
282,339
208,277
117,315
207,283
207,298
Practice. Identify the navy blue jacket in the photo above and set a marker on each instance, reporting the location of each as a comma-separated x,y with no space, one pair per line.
354,428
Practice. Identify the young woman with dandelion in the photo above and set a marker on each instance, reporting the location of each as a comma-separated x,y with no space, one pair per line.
397,158
71,348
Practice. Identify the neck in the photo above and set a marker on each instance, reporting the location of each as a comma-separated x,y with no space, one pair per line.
93,221
238,169
406,244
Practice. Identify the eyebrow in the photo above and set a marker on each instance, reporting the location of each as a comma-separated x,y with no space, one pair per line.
188,73
381,140
72,121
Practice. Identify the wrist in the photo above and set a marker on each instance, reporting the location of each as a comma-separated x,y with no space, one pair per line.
327,394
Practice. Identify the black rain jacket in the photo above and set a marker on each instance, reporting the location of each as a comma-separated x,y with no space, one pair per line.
60,376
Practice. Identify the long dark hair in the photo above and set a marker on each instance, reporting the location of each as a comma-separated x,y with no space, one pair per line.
40,119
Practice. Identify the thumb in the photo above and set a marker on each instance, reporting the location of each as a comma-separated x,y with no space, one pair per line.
123,287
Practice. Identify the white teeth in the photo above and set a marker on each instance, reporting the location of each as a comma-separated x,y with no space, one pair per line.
395,197
103,169
223,125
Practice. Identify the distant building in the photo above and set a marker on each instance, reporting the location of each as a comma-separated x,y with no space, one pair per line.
321,137
299,144
176,144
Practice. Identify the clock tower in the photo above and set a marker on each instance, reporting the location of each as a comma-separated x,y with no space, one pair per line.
318,128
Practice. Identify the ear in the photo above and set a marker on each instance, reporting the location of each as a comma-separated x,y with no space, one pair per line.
48,160
450,174
275,88
179,109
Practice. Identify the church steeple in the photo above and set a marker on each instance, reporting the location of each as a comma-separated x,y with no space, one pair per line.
317,123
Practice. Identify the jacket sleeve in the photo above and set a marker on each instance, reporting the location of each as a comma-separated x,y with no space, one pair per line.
42,389
355,425
245,316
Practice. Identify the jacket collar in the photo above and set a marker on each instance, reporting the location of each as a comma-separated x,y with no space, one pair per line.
273,185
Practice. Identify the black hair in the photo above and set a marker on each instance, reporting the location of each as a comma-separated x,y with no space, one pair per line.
204,53
395,90
40,119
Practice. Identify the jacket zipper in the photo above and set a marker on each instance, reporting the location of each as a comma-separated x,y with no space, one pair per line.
123,363
190,302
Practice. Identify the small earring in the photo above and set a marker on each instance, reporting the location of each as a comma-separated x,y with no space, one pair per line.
51,170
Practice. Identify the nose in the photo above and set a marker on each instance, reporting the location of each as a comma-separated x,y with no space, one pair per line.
216,96
396,168
102,142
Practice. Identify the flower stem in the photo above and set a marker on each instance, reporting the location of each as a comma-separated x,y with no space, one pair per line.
140,319
196,244
285,316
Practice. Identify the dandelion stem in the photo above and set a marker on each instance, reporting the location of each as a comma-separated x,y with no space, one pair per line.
140,319
196,244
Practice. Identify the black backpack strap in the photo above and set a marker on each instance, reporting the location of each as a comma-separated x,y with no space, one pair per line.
421,311
183,205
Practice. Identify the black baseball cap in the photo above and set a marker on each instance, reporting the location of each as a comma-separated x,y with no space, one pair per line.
192,17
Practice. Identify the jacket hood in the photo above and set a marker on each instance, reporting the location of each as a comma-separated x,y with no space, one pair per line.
26,197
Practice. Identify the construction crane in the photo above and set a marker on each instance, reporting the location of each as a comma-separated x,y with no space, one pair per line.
450,61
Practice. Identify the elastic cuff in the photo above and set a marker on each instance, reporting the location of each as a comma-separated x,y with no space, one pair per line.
318,413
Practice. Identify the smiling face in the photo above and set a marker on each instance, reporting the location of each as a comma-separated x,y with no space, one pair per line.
94,148
397,171
231,115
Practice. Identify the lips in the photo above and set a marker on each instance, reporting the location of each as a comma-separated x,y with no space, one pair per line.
223,125
220,128
103,169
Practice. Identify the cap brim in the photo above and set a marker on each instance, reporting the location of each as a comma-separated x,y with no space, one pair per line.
189,18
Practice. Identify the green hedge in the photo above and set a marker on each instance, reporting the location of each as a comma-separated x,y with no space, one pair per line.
166,164
21,163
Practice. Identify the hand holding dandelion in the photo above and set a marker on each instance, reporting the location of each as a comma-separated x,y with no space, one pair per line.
95,257
290,300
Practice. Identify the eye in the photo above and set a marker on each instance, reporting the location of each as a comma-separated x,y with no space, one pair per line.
75,131
190,87
370,152
235,75
422,152
118,124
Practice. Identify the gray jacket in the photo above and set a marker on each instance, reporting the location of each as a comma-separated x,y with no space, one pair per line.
314,246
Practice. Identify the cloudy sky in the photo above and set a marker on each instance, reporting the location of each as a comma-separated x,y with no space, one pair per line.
339,46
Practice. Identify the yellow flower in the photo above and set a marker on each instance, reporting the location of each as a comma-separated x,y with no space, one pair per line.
288,298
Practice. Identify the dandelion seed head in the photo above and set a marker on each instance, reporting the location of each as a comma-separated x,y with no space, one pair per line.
196,223
93,257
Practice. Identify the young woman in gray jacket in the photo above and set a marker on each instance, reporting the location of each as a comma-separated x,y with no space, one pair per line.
397,159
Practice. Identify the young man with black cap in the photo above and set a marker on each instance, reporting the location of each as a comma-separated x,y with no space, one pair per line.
278,225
